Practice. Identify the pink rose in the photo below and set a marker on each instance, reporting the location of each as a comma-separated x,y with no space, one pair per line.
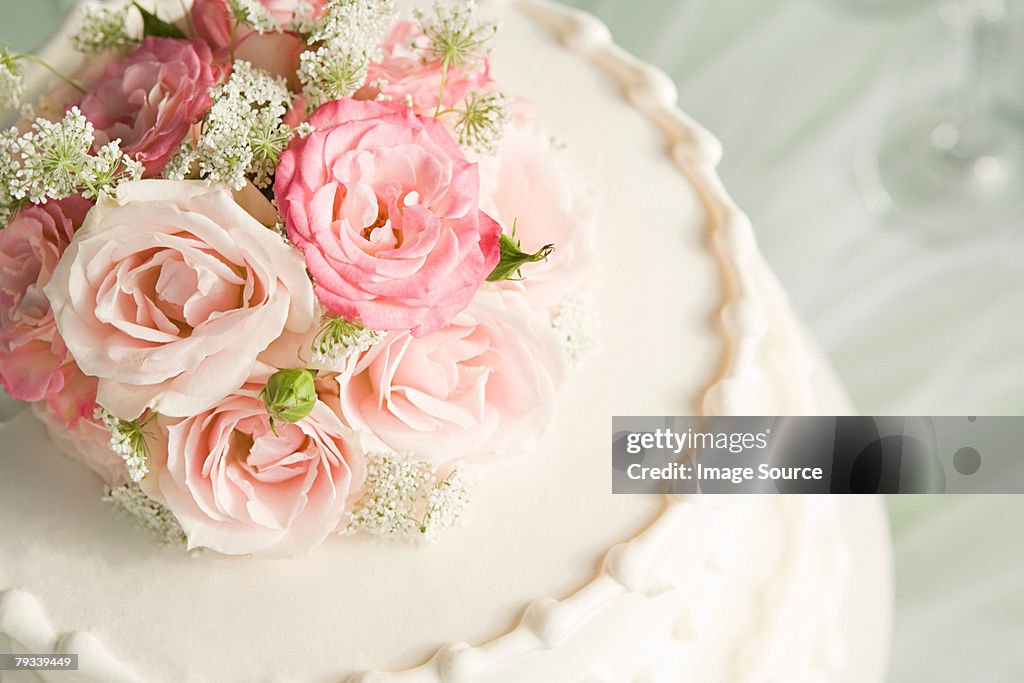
274,51
238,488
402,73
385,207
34,363
170,291
480,388
86,442
151,99
524,185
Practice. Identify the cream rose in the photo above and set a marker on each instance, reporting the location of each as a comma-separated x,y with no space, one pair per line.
170,291
523,185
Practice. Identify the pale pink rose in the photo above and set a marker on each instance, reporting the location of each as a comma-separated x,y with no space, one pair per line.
385,207
524,185
483,387
274,51
34,362
87,442
402,73
238,488
170,291
151,99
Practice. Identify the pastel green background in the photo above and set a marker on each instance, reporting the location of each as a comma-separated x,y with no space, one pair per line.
795,89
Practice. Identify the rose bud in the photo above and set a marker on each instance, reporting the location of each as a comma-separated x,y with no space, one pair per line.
289,395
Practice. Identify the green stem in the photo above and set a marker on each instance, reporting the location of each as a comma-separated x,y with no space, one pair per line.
58,74
444,82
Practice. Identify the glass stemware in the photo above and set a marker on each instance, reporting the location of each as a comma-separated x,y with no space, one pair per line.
952,164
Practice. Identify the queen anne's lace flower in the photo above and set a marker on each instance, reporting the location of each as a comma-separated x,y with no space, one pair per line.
53,160
102,28
127,439
482,121
346,37
331,73
338,339
303,18
253,13
244,133
355,24
455,35
12,79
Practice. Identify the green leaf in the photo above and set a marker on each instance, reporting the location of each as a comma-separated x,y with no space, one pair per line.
152,25
513,258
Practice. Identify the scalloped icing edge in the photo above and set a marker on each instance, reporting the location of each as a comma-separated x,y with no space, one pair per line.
626,566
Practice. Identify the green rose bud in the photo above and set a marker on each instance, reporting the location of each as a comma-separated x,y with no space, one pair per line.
289,395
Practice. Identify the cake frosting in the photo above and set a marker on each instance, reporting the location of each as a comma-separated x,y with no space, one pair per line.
552,578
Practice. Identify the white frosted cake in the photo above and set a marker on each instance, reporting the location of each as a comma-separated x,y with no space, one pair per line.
549,578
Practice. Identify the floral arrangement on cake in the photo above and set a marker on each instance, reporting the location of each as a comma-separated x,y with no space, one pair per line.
279,270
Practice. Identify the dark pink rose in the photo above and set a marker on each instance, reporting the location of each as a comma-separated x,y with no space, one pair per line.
151,99
276,52
34,362
386,209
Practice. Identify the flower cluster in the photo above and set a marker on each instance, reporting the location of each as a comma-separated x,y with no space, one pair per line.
244,133
338,338
127,439
104,27
404,496
58,159
344,39
284,270
255,14
12,79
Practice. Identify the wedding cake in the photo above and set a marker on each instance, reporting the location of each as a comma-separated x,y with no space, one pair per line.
457,524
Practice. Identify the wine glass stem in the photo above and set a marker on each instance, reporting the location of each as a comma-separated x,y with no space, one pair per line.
984,27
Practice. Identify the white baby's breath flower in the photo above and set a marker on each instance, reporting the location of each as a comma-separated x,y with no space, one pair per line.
12,79
147,513
103,27
455,36
253,13
482,121
575,320
338,338
446,502
404,497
